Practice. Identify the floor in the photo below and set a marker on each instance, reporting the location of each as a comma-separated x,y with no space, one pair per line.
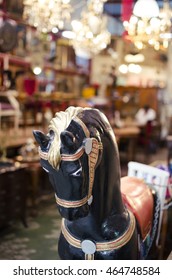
39,239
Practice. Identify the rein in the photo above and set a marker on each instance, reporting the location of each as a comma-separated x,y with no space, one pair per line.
89,247
91,147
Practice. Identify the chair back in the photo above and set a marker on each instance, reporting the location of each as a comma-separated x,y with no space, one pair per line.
156,179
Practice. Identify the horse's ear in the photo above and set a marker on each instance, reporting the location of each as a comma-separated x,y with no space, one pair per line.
41,138
67,138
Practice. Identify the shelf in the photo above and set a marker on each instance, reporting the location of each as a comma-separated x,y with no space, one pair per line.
24,61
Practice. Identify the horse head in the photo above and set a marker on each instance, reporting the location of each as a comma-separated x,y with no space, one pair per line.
70,153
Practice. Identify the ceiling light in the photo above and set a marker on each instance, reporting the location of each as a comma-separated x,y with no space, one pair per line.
123,68
135,58
91,34
46,14
68,34
37,70
55,30
145,30
146,9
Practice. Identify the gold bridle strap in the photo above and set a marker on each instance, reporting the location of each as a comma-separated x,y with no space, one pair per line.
92,160
91,147
102,246
82,124
70,203
43,155
73,157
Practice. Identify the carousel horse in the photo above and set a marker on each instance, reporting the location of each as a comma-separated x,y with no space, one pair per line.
103,216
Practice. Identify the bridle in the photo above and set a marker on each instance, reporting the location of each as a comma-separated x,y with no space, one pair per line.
91,147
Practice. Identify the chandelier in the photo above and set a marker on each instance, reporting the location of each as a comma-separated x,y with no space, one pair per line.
90,34
152,30
44,15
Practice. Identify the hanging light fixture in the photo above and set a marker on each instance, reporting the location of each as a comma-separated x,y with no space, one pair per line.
90,32
145,28
44,15
146,9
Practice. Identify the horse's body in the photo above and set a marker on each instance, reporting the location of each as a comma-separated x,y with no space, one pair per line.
81,156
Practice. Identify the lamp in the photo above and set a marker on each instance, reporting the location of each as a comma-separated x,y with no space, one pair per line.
145,28
146,9
90,32
46,14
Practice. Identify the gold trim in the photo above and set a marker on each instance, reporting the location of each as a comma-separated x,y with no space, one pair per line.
82,124
92,160
73,157
71,204
102,246
89,257
42,154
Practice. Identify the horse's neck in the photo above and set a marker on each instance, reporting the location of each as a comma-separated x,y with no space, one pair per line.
106,190
107,219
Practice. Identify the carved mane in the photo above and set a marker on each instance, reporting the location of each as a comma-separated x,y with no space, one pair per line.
58,124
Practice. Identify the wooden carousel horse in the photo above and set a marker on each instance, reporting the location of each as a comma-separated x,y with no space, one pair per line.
81,156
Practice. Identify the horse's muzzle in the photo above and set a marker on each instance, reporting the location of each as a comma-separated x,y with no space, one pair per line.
72,214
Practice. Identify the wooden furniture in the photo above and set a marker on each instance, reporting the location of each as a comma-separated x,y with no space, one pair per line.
129,99
33,172
40,103
130,134
13,194
9,107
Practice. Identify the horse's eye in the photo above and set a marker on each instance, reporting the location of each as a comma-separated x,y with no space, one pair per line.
68,139
46,170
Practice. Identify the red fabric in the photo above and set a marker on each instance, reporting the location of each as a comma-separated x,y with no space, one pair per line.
126,9
138,198
29,86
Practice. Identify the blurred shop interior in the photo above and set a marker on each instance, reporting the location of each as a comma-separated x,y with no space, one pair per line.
113,55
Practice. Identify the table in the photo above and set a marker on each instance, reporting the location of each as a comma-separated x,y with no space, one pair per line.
13,193
33,169
131,134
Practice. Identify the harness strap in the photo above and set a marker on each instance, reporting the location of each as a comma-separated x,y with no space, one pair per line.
69,203
74,156
101,246
84,127
43,155
92,160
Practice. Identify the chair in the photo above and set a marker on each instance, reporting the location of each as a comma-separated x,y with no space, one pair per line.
9,107
158,180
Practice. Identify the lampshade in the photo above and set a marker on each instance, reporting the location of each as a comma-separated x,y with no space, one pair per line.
146,9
